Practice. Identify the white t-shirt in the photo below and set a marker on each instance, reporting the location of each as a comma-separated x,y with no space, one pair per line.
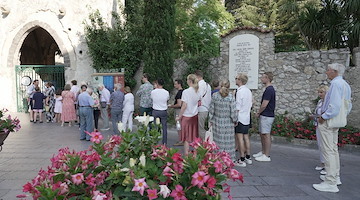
205,94
243,104
191,98
75,89
160,98
128,102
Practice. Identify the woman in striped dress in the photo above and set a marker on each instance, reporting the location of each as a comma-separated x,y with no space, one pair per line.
222,116
68,109
50,101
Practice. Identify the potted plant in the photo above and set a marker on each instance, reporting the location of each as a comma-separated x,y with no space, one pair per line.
133,166
7,125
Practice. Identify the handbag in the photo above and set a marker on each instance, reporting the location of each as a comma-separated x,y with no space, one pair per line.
340,120
209,135
47,108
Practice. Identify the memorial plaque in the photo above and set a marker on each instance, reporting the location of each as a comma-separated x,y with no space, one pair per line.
244,58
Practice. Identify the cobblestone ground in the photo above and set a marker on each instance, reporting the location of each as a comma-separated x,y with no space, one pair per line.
289,176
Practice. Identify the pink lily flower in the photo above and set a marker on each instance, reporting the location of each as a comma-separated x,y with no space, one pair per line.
78,178
199,178
178,193
96,137
152,194
140,185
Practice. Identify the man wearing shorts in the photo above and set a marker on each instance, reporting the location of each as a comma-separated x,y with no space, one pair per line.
267,116
243,106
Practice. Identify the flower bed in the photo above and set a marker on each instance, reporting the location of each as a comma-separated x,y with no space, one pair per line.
132,167
285,127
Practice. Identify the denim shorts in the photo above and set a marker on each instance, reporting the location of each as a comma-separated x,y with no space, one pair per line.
265,124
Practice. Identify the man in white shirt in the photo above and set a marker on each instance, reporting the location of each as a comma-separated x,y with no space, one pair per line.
160,97
243,106
104,103
204,103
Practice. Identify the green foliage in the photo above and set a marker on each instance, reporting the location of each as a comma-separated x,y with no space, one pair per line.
259,13
159,23
119,46
198,26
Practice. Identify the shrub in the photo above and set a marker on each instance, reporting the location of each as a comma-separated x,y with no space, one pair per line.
305,129
132,167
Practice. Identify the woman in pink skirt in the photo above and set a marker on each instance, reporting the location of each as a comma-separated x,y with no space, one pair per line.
68,109
188,115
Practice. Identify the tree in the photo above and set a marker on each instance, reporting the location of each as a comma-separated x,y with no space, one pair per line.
159,34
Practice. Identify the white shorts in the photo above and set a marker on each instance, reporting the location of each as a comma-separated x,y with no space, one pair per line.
265,124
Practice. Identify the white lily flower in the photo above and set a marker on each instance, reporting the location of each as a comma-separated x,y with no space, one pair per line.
157,121
164,191
124,169
142,159
121,127
132,162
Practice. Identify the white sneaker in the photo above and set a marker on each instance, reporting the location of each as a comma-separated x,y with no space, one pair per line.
318,168
240,163
258,154
263,158
248,161
338,181
325,187
323,172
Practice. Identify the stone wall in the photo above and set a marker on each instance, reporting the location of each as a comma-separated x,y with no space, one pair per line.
297,75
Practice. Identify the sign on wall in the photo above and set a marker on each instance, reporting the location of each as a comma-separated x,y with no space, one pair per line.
244,58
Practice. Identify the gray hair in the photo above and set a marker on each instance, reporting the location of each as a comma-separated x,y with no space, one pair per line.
340,68
117,86
101,85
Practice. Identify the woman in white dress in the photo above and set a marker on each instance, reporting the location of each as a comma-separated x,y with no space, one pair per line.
58,105
128,109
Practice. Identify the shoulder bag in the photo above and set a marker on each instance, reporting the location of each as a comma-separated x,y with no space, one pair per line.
340,120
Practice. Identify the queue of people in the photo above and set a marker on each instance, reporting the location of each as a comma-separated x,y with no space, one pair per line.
228,114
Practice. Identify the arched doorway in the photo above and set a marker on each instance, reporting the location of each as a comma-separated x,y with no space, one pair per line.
39,48
40,59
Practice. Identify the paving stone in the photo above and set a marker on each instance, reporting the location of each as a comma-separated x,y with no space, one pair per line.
3,192
245,191
280,191
290,180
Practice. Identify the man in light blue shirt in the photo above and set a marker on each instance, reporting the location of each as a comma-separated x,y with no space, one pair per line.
86,113
339,90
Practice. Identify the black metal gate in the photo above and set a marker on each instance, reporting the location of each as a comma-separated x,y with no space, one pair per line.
26,74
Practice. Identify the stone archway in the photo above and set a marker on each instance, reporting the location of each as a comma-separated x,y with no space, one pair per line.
39,48
18,40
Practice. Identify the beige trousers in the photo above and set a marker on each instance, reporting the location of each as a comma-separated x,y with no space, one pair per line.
202,118
329,148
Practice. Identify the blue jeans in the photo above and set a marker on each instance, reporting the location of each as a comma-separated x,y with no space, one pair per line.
116,117
162,114
86,115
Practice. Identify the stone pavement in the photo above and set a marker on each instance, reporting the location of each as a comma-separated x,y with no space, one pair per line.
289,176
